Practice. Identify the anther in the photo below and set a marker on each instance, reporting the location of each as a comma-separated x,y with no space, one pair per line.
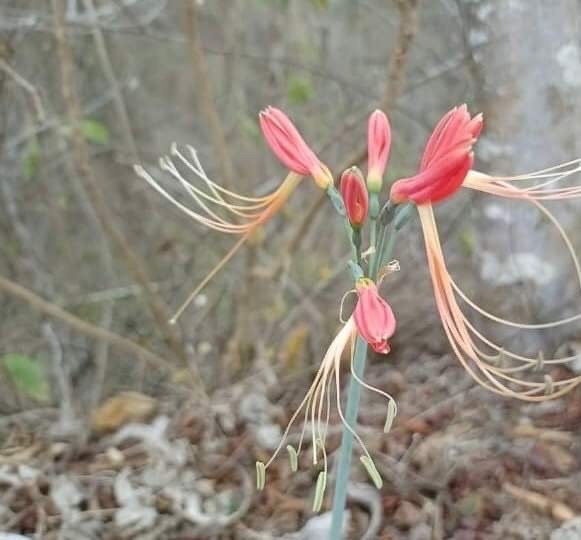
391,414
293,458
372,471
320,491
260,475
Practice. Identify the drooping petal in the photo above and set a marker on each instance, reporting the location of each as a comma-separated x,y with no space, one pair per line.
373,317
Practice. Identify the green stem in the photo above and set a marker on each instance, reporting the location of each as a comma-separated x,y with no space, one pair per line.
373,213
379,254
356,239
344,463
353,398
372,243
385,254
350,236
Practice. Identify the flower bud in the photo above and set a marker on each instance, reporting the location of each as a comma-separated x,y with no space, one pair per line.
290,148
378,145
373,317
355,197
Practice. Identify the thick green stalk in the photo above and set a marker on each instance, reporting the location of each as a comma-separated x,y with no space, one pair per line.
373,213
344,463
353,398
373,244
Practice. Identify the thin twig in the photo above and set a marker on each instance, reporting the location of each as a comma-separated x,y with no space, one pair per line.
133,263
30,89
82,326
119,102
101,356
205,94
66,413
396,72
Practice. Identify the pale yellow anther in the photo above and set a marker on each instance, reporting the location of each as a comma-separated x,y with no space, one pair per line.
372,471
293,458
260,475
391,414
320,491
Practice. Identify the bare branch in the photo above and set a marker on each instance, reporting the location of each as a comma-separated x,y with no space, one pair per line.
30,89
103,54
205,95
396,71
86,328
106,219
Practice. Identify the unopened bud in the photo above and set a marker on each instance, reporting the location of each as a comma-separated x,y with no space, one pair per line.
355,196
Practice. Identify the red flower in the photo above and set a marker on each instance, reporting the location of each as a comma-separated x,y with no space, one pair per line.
373,317
290,148
355,197
446,161
378,145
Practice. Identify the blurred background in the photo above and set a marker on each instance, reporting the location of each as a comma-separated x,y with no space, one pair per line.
116,424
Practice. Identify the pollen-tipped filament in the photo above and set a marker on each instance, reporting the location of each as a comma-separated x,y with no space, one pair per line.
500,371
214,206
444,169
316,406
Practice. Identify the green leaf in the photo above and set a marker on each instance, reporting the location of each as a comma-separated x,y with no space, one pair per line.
299,90
27,375
320,4
95,132
31,159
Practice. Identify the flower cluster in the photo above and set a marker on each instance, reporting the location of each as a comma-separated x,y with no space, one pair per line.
445,167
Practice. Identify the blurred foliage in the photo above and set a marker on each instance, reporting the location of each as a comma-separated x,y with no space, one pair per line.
300,90
95,131
320,4
27,376
30,159
326,62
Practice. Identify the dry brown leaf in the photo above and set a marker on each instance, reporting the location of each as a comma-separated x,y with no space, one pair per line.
121,409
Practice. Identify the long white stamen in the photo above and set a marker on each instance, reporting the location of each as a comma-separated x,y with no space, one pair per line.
500,380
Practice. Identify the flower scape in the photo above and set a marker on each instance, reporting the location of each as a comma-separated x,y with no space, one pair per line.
445,168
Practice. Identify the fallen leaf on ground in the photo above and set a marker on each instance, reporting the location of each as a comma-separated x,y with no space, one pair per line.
121,409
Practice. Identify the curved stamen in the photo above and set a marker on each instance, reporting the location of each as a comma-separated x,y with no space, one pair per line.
458,329
199,171
227,228
507,322
196,193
